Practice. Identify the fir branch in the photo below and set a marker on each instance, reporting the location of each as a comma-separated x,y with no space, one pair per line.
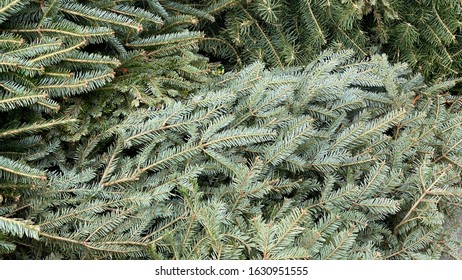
424,194
9,7
35,127
14,170
18,228
99,15
167,39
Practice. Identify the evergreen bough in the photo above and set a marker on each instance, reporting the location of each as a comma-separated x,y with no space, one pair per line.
105,155
57,58
425,34
340,159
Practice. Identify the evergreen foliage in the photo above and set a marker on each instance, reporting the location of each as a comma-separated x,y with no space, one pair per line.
56,59
336,160
425,34
116,142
